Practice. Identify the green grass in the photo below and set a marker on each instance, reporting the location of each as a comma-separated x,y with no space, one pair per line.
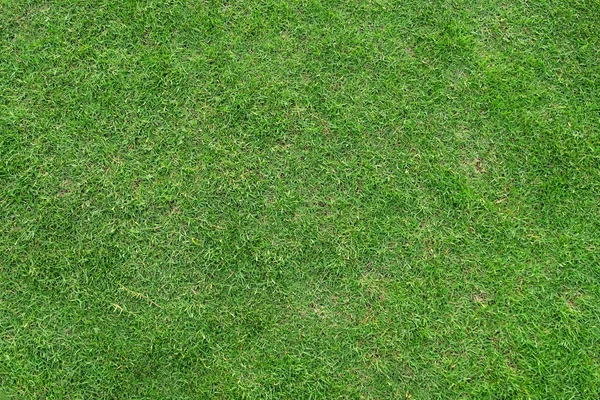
300,199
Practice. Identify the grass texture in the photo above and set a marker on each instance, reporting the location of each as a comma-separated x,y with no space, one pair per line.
300,199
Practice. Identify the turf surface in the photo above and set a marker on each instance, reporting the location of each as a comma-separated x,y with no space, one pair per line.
300,199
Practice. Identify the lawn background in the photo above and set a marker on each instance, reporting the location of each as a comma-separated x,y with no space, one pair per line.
300,199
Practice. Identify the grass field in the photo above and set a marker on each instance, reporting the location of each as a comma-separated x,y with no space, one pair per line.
300,199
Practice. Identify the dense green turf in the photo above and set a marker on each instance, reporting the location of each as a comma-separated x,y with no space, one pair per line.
301,199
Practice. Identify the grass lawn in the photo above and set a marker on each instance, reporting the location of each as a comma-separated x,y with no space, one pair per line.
300,199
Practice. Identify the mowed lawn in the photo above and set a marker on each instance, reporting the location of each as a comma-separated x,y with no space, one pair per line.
300,199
